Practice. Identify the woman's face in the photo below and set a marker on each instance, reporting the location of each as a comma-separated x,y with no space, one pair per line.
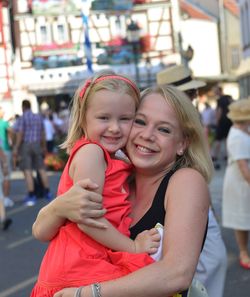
156,137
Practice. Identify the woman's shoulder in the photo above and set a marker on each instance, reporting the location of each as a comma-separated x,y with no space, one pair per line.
186,176
187,184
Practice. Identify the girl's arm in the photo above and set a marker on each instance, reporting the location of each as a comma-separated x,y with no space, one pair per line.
187,202
89,162
244,169
79,204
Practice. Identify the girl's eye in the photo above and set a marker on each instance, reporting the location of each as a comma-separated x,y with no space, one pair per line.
102,117
126,119
139,122
164,130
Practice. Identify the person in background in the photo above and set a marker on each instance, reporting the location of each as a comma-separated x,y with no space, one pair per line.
180,77
172,167
223,124
61,119
212,265
6,137
236,185
49,131
30,146
4,221
208,119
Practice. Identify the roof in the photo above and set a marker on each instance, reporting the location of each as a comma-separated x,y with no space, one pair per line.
194,11
232,6
197,12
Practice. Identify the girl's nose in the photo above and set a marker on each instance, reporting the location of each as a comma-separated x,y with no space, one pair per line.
114,126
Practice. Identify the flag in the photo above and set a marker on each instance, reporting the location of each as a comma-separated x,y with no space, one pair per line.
87,43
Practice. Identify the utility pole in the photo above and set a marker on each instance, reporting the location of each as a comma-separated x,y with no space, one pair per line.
223,38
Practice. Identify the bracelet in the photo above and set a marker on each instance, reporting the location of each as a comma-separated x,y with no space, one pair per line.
78,292
96,290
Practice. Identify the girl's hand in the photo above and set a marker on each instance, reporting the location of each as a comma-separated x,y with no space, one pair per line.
68,292
147,241
82,205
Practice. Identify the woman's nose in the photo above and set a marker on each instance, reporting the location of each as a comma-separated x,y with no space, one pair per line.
148,133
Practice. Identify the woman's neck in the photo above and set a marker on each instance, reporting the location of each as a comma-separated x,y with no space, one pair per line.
146,186
147,183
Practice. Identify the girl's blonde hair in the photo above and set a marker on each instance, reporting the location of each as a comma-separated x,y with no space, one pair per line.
105,80
196,155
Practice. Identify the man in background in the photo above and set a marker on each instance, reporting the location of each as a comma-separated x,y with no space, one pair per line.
31,145
212,265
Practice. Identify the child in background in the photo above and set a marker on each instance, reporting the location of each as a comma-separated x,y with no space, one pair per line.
101,119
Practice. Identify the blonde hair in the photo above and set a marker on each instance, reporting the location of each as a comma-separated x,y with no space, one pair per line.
196,154
105,80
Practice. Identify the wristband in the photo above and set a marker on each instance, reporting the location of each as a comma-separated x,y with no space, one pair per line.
96,290
78,292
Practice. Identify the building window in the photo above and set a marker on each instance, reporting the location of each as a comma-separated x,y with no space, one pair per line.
43,33
60,32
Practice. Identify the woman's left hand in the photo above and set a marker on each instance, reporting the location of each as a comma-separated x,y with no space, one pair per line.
68,292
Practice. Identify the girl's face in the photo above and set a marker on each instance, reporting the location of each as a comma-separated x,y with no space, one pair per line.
109,118
156,137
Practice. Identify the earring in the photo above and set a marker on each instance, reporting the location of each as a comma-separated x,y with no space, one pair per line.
180,153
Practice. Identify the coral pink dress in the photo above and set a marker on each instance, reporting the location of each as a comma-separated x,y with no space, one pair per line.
73,258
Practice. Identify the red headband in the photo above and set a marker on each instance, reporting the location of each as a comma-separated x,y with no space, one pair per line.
88,83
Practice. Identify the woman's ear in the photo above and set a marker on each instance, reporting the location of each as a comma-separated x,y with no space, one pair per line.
183,146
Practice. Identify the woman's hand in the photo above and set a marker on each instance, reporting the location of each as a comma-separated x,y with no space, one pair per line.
82,205
68,292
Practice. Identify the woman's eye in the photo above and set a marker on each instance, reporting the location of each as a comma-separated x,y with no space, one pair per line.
164,130
139,122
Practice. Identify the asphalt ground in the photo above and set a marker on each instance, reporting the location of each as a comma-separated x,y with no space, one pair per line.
21,254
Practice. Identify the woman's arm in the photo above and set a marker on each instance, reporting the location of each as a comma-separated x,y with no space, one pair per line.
187,202
244,169
79,204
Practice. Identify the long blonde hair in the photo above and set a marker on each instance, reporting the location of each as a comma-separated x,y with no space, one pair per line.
196,155
105,80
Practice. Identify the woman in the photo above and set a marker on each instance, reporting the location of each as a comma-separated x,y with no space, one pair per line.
172,168
236,187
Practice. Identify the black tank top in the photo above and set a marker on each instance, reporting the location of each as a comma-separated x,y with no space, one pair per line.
155,214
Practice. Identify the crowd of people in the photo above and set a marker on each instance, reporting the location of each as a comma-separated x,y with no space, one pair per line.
154,151
24,142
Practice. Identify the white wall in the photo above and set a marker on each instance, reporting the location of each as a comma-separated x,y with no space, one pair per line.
203,37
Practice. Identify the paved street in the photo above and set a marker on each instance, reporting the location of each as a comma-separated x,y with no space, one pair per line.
20,254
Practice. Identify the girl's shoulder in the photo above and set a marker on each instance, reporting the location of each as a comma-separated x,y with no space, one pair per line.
84,144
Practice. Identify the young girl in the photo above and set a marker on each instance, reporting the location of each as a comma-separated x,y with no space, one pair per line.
102,115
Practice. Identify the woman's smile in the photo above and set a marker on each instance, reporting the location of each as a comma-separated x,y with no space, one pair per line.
144,149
